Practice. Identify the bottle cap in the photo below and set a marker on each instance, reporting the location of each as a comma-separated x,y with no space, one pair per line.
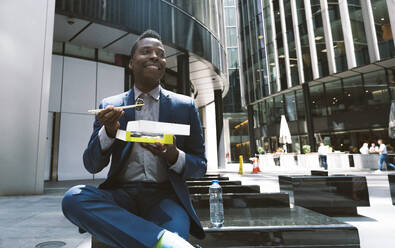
214,181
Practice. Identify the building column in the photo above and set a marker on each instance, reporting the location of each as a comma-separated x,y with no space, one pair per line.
298,46
275,48
23,129
183,85
219,121
309,117
347,34
330,52
370,29
285,41
312,46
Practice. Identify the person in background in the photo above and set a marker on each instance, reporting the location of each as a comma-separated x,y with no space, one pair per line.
373,148
323,152
364,149
383,156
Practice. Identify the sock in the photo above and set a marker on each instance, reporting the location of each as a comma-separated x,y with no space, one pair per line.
171,240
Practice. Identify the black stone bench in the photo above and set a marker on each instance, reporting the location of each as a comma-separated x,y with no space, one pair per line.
391,180
319,173
335,195
225,189
208,183
266,220
208,178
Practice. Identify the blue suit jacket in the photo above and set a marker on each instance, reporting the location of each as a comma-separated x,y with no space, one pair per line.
173,108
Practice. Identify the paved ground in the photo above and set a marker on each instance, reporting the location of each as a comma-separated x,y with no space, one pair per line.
26,221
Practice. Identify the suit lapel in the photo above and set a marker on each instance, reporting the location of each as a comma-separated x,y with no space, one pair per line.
129,100
165,106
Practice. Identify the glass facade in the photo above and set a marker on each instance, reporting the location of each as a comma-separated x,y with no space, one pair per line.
344,109
355,104
234,115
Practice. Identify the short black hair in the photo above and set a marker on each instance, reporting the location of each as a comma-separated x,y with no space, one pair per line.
146,34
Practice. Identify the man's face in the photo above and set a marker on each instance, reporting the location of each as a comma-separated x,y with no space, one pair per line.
149,60
379,142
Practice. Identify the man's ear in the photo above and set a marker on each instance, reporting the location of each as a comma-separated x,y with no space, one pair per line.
131,65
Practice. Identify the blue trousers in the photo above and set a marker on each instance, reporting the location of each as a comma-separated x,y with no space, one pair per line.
323,161
134,216
384,158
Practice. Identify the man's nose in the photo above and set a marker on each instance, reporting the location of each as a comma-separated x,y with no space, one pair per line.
154,55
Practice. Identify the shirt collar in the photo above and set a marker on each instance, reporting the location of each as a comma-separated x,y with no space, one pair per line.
155,93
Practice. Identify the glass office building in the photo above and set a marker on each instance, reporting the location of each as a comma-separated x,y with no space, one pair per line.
235,115
328,66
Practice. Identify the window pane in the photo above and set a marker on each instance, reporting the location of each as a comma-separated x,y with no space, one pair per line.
232,58
231,37
230,17
229,2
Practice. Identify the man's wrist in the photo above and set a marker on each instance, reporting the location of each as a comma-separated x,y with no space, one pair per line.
111,132
172,159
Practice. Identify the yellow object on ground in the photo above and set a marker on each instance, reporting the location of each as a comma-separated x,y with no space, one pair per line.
241,171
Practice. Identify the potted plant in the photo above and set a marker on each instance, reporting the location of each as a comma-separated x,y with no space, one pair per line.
306,149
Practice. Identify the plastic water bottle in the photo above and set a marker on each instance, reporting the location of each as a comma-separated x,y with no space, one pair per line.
216,204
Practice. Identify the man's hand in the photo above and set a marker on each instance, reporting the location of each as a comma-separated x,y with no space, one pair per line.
170,152
109,118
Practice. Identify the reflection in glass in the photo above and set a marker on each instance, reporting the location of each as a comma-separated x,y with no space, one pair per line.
353,94
278,108
317,98
319,38
358,32
232,101
334,97
376,91
383,29
337,36
290,106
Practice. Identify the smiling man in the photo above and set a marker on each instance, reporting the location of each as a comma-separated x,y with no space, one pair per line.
145,201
